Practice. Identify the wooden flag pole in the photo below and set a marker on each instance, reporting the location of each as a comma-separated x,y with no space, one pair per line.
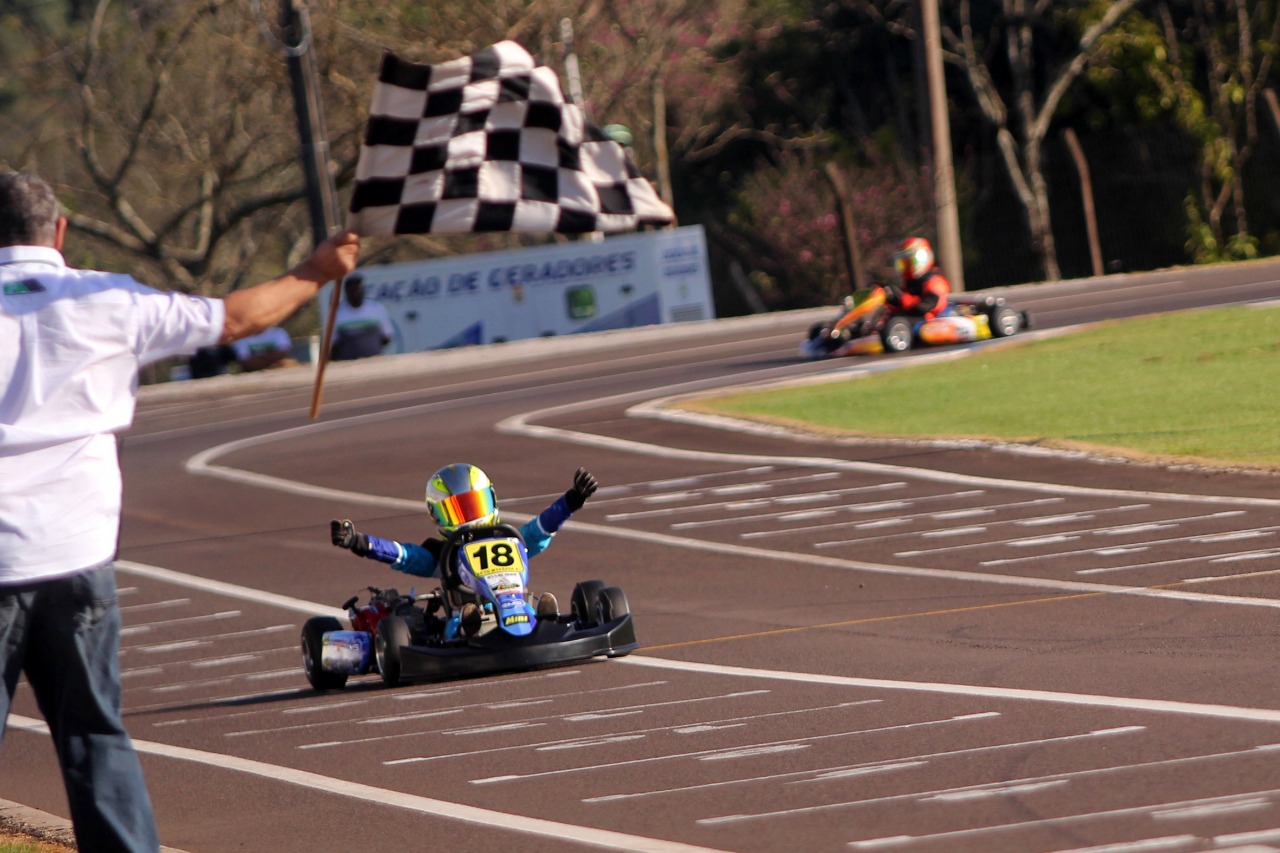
327,341
321,193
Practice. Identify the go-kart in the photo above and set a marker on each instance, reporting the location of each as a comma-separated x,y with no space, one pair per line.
427,637
870,326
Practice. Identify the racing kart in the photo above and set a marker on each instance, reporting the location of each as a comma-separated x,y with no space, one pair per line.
426,636
870,326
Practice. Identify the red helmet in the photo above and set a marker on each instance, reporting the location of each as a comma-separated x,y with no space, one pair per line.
914,258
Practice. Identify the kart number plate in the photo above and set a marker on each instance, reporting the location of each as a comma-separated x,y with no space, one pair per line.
494,556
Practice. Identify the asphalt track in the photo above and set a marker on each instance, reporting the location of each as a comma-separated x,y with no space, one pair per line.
846,645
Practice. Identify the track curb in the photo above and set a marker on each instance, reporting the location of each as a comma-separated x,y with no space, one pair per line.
43,825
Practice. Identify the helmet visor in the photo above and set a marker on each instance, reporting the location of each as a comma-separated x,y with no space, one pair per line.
461,508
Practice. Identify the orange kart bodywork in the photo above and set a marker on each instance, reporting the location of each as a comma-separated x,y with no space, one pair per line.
870,327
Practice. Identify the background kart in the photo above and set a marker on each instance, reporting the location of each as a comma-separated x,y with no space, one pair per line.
871,327
423,637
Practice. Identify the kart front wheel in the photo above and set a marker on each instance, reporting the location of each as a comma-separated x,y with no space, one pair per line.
896,334
392,633
585,603
313,631
1005,322
612,602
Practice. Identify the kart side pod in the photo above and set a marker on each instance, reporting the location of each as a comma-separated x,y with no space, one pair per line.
955,329
346,652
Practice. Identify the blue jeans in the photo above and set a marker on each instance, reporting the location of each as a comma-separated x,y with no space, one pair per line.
65,634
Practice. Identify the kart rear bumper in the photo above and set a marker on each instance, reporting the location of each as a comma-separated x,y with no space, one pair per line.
551,643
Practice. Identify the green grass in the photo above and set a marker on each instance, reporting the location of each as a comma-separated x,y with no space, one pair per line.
1194,384
19,845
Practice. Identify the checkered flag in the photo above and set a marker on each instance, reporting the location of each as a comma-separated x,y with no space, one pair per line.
489,143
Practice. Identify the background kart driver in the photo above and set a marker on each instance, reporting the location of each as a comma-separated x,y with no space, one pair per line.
924,289
461,496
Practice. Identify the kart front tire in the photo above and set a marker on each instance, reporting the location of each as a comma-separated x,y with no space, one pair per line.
392,634
1005,322
896,334
585,603
612,604
313,631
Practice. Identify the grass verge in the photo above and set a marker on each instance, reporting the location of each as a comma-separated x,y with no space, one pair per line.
1187,386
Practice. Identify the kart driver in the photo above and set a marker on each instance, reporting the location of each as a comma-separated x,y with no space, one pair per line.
461,496
924,288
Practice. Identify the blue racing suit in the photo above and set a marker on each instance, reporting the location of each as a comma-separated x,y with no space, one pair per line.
423,560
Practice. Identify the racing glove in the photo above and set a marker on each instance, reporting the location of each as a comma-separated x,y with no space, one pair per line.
343,534
584,486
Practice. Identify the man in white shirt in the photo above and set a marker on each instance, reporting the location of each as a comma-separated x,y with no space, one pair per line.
71,344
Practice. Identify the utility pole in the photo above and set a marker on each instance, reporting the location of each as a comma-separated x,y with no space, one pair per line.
322,196
944,179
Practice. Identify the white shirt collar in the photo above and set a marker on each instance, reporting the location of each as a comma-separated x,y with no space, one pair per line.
31,255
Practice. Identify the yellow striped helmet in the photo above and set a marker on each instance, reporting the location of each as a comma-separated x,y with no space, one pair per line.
461,495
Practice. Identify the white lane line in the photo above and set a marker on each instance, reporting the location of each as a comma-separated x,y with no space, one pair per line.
557,833
202,464
381,795
767,503
1037,521
1184,843
1164,706
1151,543
208,639
802,777
285,602
400,736
1002,787
154,605
737,489
132,630
636,732
1220,558
880,843
1073,535
732,751
523,424
987,509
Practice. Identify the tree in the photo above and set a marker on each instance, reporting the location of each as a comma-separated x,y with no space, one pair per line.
1018,63
1219,56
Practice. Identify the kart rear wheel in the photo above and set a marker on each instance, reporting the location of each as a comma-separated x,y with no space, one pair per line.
896,334
585,603
613,604
1005,322
393,632
313,631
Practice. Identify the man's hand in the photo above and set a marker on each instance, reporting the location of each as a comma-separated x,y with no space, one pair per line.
336,256
343,534
584,486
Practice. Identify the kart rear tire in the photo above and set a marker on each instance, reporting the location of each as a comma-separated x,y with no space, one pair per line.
586,603
612,603
392,633
313,631
896,334
1005,322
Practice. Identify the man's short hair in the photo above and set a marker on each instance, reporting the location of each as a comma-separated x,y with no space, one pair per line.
28,211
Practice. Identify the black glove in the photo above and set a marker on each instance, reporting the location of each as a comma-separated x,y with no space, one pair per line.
343,533
892,294
584,486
